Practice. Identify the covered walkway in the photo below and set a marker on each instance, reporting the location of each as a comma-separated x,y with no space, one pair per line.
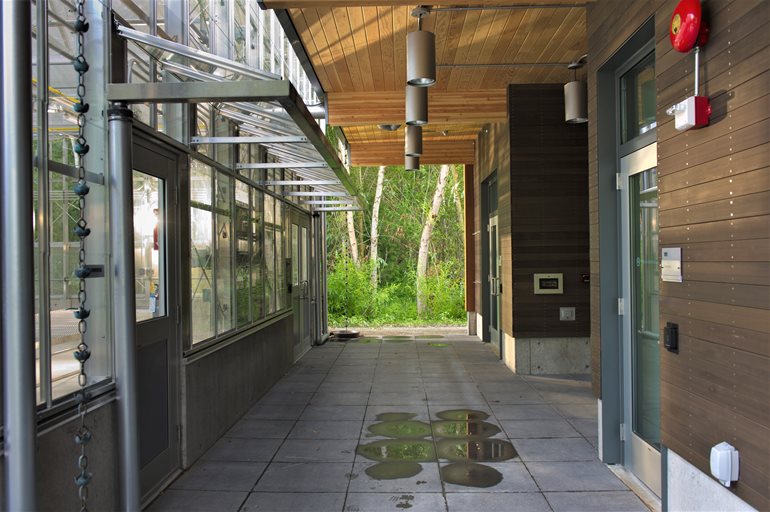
426,424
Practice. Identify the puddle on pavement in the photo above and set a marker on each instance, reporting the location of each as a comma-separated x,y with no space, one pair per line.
482,450
394,450
393,470
462,415
441,345
367,340
395,416
401,429
394,337
430,337
471,475
396,340
471,429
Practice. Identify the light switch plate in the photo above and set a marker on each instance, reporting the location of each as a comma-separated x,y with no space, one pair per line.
567,314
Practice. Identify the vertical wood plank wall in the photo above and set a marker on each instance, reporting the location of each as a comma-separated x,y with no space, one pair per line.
549,211
470,238
714,189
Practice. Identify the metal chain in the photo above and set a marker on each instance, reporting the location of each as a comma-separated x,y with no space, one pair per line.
83,353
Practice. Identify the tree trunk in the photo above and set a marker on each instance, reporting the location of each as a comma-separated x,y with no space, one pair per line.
375,220
352,236
427,232
458,200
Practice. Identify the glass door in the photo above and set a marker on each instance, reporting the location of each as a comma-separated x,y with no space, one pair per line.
494,285
156,299
300,282
641,340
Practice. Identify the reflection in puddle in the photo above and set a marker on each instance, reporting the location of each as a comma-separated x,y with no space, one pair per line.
472,429
430,337
395,416
400,429
415,450
438,344
471,475
396,340
483,450
397,337
367,340
462,414
393,470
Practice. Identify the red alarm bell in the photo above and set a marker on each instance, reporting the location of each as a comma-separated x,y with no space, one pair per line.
687,29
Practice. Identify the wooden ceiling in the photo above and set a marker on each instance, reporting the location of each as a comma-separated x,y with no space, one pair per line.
358,51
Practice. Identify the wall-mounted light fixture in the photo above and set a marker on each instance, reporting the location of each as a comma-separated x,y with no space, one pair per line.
420,53
576,95
412,163
413,141
389,127
416,105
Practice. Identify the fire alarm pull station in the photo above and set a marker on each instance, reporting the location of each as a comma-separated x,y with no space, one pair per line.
688,31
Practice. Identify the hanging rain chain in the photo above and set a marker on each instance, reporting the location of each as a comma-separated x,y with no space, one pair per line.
83,352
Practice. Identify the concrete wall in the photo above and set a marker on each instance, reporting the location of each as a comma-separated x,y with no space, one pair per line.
220,386
691,489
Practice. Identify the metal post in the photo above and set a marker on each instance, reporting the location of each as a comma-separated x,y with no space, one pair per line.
697,68
18,307
124,321
43,204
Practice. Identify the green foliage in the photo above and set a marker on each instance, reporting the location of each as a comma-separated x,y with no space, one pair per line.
406,201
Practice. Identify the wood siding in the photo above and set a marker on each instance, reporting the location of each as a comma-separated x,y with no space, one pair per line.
714,186
469,186
549,215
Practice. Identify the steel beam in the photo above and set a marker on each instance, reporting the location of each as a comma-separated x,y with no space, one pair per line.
199,92
249,140
329,202
317,193
18,293
124,321
291,183
338,209
284,165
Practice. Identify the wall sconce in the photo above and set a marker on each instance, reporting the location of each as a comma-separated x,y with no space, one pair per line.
412,163
420,53
416,105
413,141
576,96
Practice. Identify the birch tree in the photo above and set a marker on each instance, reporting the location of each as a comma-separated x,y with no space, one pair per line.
427,232
375,221
352,237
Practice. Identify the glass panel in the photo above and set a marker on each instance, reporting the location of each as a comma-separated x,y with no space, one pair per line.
280,263
637,96
305,255
269,280
295,256
645,291
242,253
257,260
201,252
224,254
493,271
149,246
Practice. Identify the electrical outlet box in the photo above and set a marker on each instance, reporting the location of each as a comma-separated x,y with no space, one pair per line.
567,314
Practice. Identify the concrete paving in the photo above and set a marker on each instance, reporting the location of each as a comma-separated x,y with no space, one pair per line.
405,423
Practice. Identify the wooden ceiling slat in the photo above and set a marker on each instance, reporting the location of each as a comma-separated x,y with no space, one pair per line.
451,44
434,152
464,47
476,48
341,24
324,55
385,19
564,49
509,53
358,33
497,26
372,30
401,25
372,133
346,68
300,23
386,107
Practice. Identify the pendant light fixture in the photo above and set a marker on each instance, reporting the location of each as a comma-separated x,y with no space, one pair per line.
412,163
416,105
420,53
576,96
413,141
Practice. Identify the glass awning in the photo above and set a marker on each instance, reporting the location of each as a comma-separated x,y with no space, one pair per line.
267,110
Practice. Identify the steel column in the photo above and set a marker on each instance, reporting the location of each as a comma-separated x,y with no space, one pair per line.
18,329
124,321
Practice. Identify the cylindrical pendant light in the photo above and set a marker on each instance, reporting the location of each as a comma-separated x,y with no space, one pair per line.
416,105
412,163
413,141
420,53
576,102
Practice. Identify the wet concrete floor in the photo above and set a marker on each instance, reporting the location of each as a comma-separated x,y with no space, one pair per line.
434,423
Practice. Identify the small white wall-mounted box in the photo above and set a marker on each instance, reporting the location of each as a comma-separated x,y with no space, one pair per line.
549,284
724,463
671,264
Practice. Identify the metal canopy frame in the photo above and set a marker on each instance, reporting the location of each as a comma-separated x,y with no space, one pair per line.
269,111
